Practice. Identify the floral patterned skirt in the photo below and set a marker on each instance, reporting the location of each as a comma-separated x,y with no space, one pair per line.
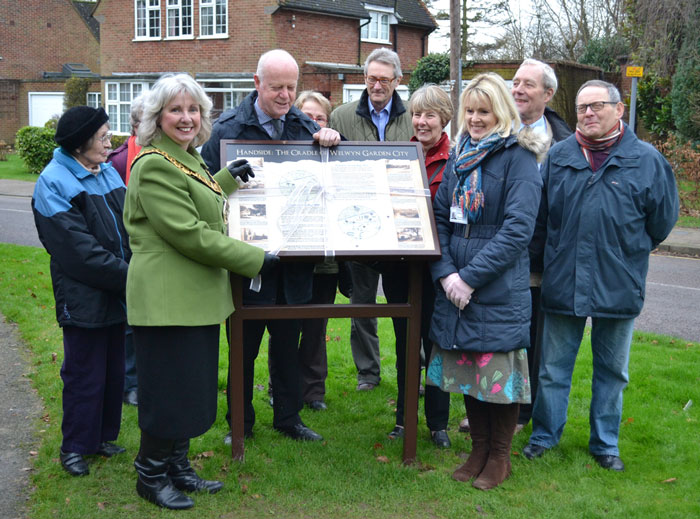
498,378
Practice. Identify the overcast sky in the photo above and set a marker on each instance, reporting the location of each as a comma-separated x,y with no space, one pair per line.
439,40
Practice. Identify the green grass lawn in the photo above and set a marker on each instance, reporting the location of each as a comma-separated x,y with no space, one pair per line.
14,169
357,472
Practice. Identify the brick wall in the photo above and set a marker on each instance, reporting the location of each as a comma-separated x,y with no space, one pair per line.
49,32
249,34
9,109
252,31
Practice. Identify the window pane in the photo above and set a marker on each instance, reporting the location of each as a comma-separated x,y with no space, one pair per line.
385,27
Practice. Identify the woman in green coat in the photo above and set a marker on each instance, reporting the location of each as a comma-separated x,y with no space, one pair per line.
178,290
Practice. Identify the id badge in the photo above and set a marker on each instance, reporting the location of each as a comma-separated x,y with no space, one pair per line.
457,216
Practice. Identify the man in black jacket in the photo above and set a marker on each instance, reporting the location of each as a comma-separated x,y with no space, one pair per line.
269,114
534,85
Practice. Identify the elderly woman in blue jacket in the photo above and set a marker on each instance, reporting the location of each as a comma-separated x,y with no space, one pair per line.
485,211
77,207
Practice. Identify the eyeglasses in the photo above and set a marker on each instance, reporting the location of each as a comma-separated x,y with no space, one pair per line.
596,107
385,81
105,138
318,119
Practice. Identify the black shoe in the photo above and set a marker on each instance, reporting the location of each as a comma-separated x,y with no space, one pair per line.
300,432
74,463
396,432
182,474
227,438
317,405
131,398
440,439
609,462
108,449
532,451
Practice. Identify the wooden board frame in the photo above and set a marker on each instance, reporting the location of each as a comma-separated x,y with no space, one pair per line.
411,310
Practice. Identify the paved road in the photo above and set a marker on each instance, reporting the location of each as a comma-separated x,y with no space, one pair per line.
672,298
16,221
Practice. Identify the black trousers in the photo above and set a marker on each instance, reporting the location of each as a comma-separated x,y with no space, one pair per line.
313,360
533,354
93,385
283,356
437,402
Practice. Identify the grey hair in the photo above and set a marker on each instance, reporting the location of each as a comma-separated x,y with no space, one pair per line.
549,78
136,113
613,92
162,92
386,56
271,54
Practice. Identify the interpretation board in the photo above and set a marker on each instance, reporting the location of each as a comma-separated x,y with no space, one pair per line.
352,200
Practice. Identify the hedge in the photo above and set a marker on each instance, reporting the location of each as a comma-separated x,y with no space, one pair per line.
35,147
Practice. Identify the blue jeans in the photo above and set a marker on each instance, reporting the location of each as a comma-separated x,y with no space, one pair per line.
610,345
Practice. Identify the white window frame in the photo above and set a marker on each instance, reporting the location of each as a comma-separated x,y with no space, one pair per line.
93,99
118,98
380,17
231,89
179,23
151,14
217,10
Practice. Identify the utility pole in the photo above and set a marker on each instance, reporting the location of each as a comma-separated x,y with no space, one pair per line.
455,60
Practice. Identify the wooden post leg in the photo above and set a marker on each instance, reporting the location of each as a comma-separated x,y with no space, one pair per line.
235,366
412,364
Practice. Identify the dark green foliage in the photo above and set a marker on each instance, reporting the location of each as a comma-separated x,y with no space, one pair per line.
685,93
118,140
605,52
433,68
76,92
654,105
35,146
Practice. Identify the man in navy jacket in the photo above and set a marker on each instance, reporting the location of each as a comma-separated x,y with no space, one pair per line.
610,199
269,113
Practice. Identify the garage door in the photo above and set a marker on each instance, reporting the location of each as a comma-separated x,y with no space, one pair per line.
43,106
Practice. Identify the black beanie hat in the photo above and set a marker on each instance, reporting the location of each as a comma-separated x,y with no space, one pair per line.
77,125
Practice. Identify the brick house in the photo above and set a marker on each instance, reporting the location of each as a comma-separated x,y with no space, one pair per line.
43,43
127,44
220,41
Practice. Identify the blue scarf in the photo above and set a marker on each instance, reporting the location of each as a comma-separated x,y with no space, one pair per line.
468,193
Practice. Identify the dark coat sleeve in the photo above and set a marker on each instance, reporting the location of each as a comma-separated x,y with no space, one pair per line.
71,242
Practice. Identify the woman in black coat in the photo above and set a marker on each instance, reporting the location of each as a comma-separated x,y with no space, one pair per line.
485,212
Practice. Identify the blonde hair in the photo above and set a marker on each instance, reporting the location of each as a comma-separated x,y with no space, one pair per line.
316,97
162,92
431,97
492,88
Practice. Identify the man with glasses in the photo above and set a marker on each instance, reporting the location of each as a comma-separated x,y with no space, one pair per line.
379,115
609,200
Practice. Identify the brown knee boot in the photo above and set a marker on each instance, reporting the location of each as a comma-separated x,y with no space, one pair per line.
503,418
480,431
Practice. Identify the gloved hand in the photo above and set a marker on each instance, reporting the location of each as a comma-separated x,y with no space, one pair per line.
270,263
456,290
240,169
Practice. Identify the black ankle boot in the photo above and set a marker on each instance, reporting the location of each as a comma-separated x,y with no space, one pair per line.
183,475
153,483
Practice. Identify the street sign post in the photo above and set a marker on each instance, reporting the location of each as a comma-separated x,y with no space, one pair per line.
634,73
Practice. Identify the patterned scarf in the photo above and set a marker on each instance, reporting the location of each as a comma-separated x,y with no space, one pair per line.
604,144
468,193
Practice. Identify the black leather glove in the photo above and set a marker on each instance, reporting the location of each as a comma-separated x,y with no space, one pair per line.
241,169
270,264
